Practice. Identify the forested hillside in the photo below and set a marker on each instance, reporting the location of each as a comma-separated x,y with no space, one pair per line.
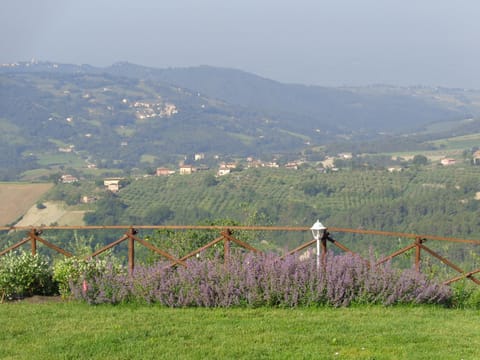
368,110
56,116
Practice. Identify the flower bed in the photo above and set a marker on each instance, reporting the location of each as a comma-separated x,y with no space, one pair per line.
260,280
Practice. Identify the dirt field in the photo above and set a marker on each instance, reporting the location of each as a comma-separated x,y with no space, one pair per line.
17,198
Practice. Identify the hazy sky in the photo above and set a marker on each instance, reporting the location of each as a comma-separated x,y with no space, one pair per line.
325,42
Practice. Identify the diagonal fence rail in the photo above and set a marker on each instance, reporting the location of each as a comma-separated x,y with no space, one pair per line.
226,236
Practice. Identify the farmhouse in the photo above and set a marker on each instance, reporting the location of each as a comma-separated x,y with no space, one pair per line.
199,156
88,199
345,156
68,179
67,149
252,163
112,184
394,169
186,169
447,161
272,164
292,165
230,165
476,157
164,172
223,170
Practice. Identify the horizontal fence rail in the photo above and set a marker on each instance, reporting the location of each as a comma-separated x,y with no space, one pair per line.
226,236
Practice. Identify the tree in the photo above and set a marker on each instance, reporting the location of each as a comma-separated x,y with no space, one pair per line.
158,215
109,211
210,180
420,160
40,205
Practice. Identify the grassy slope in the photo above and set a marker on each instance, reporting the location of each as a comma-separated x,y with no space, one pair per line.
17,198
79,331
459,142
54,212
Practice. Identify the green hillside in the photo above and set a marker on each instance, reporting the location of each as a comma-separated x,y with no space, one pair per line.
370,109
421,199
59,116
53,120
436,201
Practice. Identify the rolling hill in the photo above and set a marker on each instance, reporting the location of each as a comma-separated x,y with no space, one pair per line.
304,108
60,116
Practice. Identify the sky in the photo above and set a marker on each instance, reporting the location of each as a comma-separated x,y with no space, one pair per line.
313,42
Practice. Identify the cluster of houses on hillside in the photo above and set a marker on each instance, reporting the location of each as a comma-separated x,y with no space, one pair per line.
224,168
145,110
447,161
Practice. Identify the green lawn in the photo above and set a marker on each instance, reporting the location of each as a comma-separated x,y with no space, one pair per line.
80,331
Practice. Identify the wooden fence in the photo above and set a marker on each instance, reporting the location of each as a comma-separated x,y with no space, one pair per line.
226,237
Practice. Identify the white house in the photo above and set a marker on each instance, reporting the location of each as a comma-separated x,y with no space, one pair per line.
447,161
186,169
223,170
112,184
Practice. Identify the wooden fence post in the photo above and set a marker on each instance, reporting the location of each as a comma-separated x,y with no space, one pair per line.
33,241
324,248
131,249
226,247
418,256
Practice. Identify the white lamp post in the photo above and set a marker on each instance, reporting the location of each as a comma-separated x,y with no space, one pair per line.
318,230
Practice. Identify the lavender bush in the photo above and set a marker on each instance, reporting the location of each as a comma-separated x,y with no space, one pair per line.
94,280
263,280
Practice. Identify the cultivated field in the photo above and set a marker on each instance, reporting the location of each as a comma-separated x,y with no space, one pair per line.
54,212
17,198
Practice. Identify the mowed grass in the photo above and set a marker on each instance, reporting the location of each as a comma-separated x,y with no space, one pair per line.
80,331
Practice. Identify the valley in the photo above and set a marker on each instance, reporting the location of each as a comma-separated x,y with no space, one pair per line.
185,148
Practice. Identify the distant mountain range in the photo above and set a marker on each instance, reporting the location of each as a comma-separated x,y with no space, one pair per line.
127,115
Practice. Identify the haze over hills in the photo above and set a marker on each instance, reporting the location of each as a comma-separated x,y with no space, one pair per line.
307,107
127,115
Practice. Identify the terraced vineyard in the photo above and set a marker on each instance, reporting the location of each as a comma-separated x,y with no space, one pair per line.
413,200
441,201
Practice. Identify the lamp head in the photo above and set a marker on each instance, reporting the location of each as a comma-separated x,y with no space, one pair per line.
317,229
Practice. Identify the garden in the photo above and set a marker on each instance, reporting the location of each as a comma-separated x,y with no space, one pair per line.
244,280
252,306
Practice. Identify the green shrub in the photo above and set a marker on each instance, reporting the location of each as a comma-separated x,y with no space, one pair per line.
473,302
23,274
64,272
466,295
72,271
40,206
